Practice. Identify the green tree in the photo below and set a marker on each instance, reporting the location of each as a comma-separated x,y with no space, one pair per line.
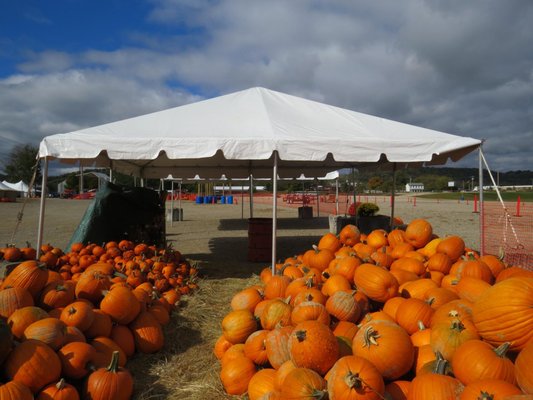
21,164
375,182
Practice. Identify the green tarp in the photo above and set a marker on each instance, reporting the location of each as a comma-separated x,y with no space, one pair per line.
120,212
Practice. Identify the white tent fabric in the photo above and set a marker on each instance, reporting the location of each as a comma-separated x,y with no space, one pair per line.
257,132
20,186
6,188
237,134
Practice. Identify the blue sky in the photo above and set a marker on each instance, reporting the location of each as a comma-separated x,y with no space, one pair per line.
460,67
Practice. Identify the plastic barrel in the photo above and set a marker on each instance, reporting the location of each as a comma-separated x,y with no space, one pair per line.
222,199
229,199
199,199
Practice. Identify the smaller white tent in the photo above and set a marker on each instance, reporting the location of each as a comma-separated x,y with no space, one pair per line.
20,186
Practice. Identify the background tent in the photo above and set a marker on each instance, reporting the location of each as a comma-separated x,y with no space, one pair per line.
19,186
255,131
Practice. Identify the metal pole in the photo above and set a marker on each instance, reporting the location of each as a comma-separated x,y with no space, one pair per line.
317,200
481,208
354,199
180,211
337,196
393,192
251,196
44,182
81,178
274,210
172,202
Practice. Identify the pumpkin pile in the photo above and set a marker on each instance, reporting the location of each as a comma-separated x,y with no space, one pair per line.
399,315
70,321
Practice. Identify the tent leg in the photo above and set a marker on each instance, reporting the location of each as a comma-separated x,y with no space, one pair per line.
274,210
180,213
251,196
393,193
481,208
171,203
337,196
41,209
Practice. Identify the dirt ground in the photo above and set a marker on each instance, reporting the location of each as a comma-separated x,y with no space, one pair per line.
216,233
215,236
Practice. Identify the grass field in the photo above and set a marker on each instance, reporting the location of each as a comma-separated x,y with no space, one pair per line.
487,196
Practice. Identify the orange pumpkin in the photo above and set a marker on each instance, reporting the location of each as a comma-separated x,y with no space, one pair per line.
313,345
354,377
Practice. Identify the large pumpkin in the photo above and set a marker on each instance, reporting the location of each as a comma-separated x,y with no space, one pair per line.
355,378
29,275
475,360
303,384
15,391
147,333
375,282
236,375
504,313
418,233
121,305
523,364
313,345
34,364
238,325
386,345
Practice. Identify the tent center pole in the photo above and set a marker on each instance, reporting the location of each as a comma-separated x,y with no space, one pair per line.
251,196
274,210
40,230
172,203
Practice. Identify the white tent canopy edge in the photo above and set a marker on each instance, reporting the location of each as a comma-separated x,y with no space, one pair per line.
257,132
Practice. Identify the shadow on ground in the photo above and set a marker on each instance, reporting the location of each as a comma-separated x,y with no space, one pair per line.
228,257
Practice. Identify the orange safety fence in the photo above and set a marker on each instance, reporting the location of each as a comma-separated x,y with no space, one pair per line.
509,231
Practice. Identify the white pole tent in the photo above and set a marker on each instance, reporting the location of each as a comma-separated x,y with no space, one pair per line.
257,132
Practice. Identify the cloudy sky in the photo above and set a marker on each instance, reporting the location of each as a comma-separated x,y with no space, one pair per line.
462,67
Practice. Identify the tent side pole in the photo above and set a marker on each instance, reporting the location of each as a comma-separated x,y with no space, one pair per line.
393,194
180,211
274,210
481,208
354,197
42,206
337,196
317,200
251,196
172,203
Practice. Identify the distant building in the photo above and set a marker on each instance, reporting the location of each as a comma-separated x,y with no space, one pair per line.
414,187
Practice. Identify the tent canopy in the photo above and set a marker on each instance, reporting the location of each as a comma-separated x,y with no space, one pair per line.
239,134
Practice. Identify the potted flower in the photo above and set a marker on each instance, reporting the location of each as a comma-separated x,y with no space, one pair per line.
368,220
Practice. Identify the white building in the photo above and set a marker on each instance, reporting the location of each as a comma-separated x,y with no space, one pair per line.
414,187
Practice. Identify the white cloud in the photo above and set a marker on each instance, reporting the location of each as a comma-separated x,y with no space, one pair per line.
460,67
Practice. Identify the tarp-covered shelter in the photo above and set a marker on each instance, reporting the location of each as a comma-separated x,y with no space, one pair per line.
257,132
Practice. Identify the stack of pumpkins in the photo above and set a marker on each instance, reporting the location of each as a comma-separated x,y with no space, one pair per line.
69,322
403,315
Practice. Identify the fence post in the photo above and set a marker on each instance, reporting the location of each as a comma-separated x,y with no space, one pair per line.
475,204
414,201
518,207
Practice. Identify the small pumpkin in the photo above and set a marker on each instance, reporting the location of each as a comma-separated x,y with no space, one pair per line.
302,384
77,359
112,382
147,333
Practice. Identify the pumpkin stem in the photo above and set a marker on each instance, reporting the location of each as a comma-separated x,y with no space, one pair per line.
440,364
113,365
319,394
61,384
502,349
485,396
301,335
421,326
353,381
370,337
457,325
